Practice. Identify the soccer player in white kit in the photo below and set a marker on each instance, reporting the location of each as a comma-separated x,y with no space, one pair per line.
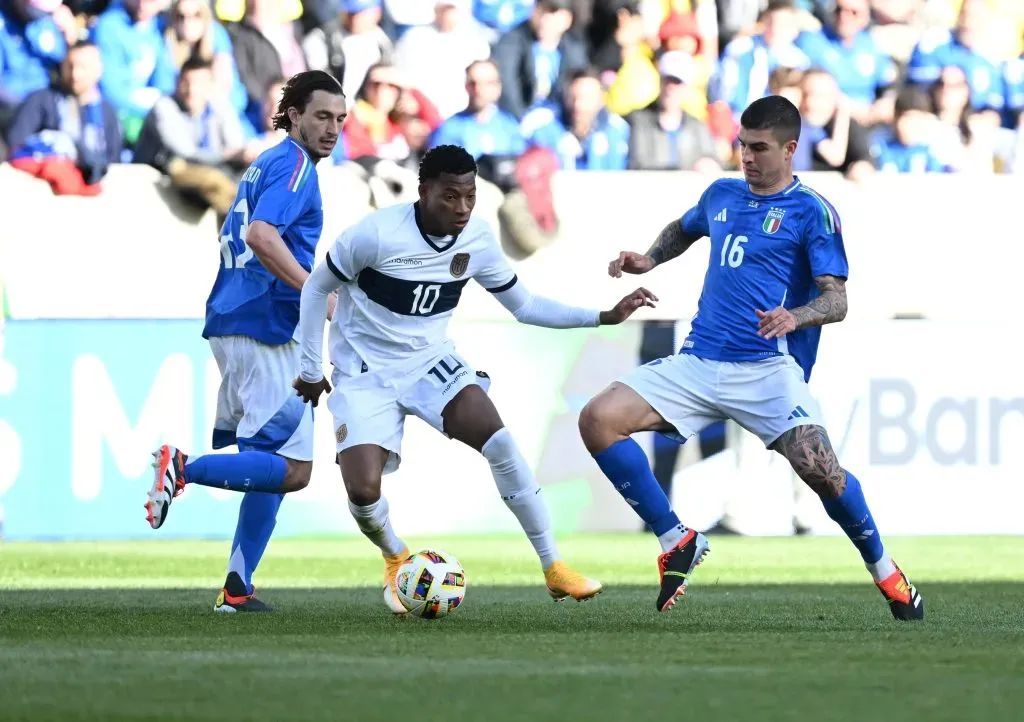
776,273
400,273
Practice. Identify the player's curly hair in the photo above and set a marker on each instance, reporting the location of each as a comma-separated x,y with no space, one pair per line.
774,113
297,92
450,159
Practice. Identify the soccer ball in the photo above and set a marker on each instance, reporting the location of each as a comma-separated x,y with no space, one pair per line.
431,583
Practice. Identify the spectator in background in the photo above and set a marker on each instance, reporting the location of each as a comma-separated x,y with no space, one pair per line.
663,136
623,57
384,105
962,48
34,37
897,26
192,31
748,61
909,149
267,136
502,15
537,56
196,138
838,142
452,43
865,74
580,131
266,18
679,32
257,61
482,128
137,65
1013,84
68,134
363,42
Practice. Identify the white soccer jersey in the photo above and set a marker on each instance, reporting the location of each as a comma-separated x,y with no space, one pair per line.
400,286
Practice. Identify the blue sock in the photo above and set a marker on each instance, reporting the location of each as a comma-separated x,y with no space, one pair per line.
257,517
244,471
850,511
625,464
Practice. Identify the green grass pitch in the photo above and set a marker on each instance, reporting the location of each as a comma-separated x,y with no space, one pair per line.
772,629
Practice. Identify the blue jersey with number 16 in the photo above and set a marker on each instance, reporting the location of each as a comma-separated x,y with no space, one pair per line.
279,188
765,252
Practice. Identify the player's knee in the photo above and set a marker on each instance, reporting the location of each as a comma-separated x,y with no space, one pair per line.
598,421
363,492
298,475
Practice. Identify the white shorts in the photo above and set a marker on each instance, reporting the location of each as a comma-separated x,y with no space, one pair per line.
257,408
767,398
370,407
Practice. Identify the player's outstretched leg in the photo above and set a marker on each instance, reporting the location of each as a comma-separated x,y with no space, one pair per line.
245,471
810,452
471,418
263,475
606,424
361,469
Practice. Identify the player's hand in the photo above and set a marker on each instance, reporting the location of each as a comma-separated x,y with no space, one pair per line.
775,323
332,303
310,391
629,262
625,308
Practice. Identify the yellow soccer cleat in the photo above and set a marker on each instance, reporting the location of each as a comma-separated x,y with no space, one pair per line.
392,563
563,581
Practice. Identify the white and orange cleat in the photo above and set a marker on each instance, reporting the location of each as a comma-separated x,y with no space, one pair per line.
563,582
168,482
392,563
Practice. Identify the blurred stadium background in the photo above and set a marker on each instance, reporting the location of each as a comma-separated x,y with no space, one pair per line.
126,125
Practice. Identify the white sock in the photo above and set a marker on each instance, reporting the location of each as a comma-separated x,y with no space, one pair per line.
373,521
883,568
521,494
672,537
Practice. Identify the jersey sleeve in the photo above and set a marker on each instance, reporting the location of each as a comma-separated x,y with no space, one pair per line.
823,237
355,249
495,273
695,220
288,185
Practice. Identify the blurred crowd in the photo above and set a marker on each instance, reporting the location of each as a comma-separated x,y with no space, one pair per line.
187,86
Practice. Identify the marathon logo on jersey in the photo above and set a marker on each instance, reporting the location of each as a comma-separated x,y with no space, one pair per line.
773,221
459,264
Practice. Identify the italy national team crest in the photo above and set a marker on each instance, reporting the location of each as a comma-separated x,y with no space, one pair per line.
459,264
773,220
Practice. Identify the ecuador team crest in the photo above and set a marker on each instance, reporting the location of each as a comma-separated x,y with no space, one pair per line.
460,262
773,221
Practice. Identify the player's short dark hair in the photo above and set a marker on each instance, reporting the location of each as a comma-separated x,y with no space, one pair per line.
777,5
299,89
591,73
446,159
196,62
774,113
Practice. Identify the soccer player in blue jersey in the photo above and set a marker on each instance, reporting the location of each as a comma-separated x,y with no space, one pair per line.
777,272
267,247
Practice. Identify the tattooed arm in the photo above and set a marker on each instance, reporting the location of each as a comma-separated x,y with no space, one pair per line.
671,242
829,307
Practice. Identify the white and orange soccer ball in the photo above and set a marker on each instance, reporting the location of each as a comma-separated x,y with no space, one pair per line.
431,583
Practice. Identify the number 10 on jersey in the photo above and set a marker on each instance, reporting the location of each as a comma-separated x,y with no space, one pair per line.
732,250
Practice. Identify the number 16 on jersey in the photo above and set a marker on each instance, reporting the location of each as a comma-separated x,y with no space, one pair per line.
732,250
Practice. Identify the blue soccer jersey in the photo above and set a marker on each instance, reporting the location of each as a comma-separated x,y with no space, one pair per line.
765,252
279,188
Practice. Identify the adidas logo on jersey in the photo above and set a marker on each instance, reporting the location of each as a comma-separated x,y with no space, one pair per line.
722,215
798,413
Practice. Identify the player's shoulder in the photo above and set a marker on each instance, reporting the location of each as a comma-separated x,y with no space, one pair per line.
815,207
730,187
395,221
477,232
